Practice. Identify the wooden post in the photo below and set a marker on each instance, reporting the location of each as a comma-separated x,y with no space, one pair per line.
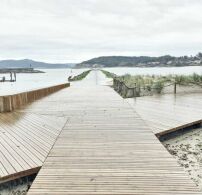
15,76
11,76
135,90
175,88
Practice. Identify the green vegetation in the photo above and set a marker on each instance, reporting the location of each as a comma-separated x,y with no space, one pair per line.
80,76
153,83
111,61
108,74
144,82
158,86
142,61
158,81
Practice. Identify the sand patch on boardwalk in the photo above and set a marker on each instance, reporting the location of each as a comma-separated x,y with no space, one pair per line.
187,149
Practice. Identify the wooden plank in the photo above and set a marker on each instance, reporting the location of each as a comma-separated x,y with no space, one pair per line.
103,148
24,144
106,148
174,111
11,102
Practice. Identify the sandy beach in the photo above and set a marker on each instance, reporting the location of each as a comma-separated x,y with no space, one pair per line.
187,149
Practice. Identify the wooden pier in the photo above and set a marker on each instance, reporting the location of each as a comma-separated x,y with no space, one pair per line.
106,148
169,113
102,146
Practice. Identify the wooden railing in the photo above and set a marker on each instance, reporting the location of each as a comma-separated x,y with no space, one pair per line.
9,103
124,90
136,91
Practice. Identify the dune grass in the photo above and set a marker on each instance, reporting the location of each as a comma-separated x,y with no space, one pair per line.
150,80
80,76
108,74
156,82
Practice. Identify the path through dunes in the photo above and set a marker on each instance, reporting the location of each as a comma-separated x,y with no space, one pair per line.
105,148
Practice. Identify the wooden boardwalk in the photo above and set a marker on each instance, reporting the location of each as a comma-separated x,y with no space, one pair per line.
169,112
25,141
26,138
104,148
9,103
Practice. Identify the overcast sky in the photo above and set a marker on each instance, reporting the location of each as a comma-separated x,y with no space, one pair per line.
76,30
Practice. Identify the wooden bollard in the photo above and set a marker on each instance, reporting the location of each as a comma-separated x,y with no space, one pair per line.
175,88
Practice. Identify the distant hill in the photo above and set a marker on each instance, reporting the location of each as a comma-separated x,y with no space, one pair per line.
26,63
142,61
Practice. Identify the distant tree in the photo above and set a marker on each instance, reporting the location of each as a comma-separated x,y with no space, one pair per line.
186,57
199,55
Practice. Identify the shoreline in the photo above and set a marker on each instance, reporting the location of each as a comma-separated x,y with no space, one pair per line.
19,70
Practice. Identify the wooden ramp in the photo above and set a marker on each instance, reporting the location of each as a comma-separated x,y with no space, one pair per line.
27,137
168,113
105,148
25,141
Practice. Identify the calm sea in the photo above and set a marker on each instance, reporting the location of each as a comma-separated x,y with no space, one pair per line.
28,81
57,76
157,71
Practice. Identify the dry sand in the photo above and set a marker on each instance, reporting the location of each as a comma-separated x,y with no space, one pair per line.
187,149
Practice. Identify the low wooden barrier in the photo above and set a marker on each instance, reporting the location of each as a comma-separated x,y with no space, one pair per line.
124,90
136,91
11,102
171,133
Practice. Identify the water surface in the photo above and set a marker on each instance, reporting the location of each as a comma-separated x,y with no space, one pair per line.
187,70
52,77
30,81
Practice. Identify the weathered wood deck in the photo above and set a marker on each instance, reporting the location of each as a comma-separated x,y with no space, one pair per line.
104,148
12,102
169,113
25,141
26,138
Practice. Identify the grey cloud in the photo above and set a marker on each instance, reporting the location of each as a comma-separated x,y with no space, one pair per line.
75,30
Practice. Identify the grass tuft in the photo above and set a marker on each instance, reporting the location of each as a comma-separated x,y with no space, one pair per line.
156,82
80,76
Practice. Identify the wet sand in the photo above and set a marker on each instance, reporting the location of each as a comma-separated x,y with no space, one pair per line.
187,149
17,187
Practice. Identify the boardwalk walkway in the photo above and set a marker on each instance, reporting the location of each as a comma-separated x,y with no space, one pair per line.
25,141
104,148
168,112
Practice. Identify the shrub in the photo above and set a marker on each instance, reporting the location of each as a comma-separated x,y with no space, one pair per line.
158,86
